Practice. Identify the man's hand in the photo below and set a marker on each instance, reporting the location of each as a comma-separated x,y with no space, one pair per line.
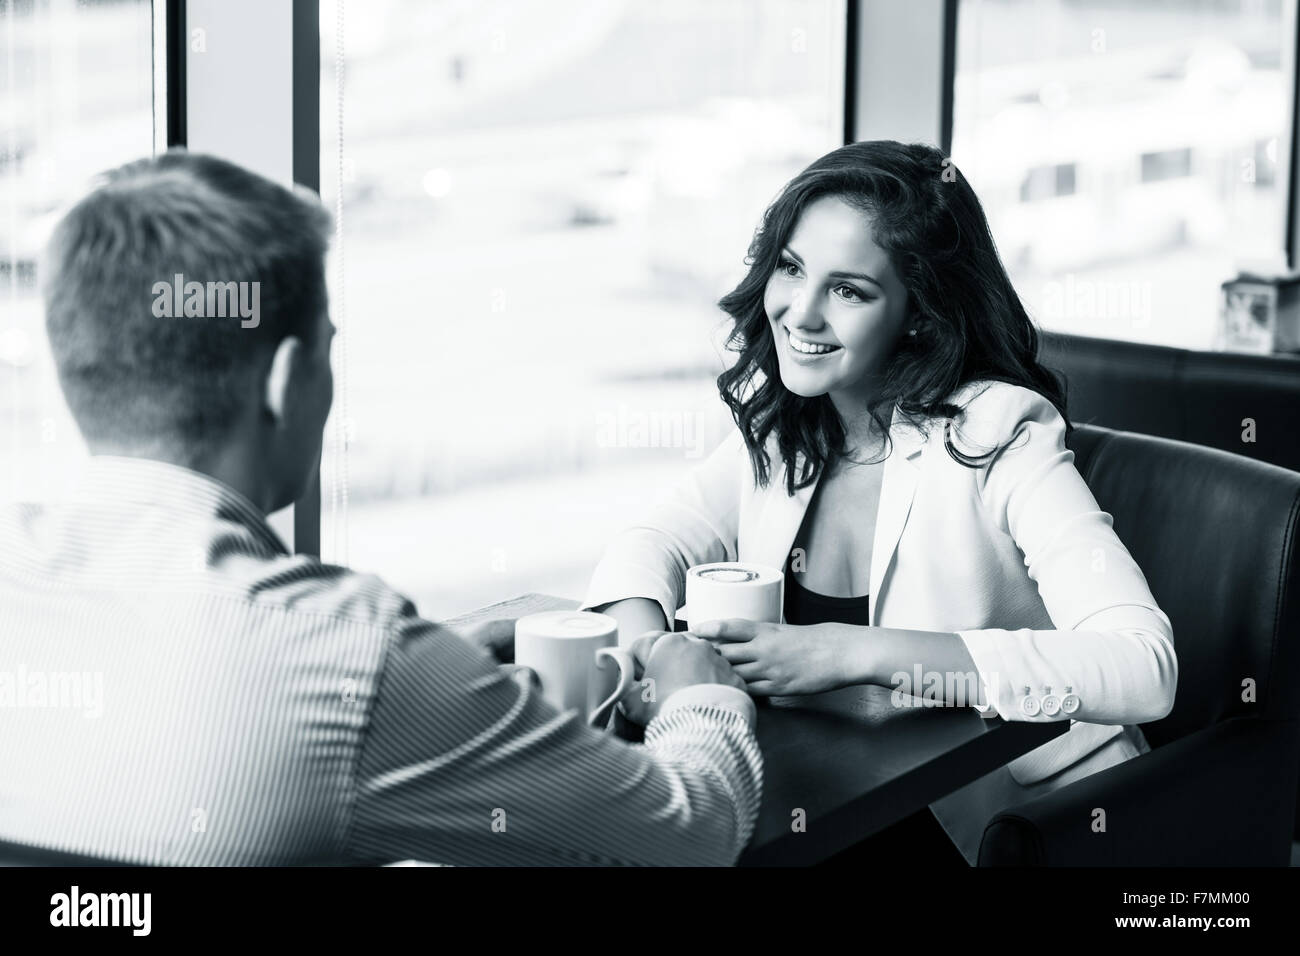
497,638
643,647
668,662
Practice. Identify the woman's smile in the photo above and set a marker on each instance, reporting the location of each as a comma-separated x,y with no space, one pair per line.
805,351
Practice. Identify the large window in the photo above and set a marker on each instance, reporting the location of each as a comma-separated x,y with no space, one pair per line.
1127,154
541,205
75,99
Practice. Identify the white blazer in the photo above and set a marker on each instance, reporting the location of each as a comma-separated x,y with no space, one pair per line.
1015,557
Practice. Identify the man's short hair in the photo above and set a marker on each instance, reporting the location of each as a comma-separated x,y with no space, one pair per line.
131,368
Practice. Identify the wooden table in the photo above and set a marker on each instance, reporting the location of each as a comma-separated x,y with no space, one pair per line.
851,760
855,763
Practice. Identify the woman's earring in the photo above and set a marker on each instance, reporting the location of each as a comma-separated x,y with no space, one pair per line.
911,332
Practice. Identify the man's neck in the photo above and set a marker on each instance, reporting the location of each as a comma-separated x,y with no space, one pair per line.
231,465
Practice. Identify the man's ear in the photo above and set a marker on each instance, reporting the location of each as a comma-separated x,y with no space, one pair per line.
281,375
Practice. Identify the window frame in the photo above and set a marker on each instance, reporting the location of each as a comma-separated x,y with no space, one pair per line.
174,94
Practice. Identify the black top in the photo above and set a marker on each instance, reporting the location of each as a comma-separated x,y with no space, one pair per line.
918,837
808,607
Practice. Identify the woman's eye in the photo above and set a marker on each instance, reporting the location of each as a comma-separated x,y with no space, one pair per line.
849,294
788,268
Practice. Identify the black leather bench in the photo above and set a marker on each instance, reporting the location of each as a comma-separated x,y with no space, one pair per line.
1191,396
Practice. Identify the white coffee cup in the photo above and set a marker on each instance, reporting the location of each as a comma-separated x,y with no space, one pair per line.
734,589
567,652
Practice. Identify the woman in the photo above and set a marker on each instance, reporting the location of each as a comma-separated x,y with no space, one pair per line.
876,310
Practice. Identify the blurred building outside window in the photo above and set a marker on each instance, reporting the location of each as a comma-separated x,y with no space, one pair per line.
1127,154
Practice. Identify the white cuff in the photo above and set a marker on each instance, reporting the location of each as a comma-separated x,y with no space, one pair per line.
982,645
712,695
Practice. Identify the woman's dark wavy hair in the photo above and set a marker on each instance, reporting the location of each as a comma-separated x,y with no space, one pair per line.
970,324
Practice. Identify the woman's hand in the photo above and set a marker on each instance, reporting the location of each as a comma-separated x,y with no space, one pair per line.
779,659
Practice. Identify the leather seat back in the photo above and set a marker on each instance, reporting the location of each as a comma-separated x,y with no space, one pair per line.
1200,397
16,854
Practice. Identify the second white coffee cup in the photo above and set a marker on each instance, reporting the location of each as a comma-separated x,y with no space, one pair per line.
734,589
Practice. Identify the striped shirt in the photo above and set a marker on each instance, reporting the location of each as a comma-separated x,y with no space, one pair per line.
175,688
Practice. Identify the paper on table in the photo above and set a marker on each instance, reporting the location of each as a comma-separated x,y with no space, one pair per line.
509,609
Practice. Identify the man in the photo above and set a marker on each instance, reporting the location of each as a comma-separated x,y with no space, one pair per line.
260,707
